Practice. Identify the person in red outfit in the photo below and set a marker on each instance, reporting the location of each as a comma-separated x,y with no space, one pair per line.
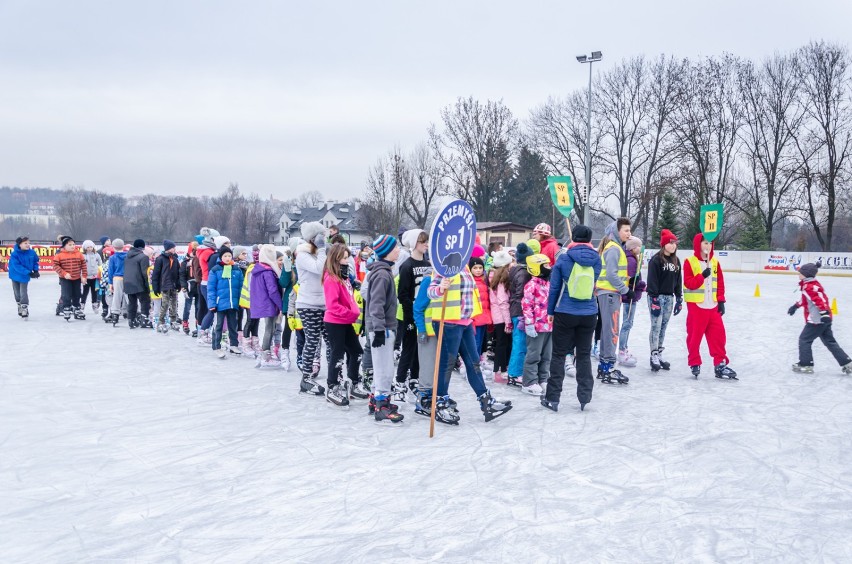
818,318
549,245
704,294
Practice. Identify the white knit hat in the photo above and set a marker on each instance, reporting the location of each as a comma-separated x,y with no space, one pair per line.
219,240
311,230
409,238
501,258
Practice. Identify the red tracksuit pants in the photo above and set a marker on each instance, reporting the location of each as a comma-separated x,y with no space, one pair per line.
700,323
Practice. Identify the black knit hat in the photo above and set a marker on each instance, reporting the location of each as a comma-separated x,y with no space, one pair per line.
21,239
582,234
65,240
225,249
476,261
522,252
139,244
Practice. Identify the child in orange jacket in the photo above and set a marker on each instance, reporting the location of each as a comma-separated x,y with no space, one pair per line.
70,265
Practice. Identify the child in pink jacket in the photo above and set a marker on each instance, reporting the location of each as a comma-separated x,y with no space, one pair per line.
499,288
341,312
537,325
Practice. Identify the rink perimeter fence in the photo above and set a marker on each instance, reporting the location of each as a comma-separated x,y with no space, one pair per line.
763,262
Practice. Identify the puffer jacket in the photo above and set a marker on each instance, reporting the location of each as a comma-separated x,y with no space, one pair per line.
21,264
535,305
518,277
72,263
166,275
203,253
559,301
265,292
136,272
310,269
814,301
115,267
224,286
499,299
634,280
483,318
93,264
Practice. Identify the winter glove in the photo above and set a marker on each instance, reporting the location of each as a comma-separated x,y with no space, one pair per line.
706,272
630,295
792,310
509,328
34,274
655,307
825,317
678,306
356,285
531,332
319,241
721,308
288,264
422,338
378,339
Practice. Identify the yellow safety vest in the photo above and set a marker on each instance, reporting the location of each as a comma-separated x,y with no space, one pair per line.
453,311
359,299
603,283
295,322
697,296
245,293
399,314
151,285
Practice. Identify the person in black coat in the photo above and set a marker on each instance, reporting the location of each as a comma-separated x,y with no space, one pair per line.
136,285
189,285
166,281
518,278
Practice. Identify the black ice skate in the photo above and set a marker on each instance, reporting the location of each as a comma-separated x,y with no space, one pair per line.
371,405
79,315
517,382
803,368
144,323
551,405
610,375
492,408
655,361
665,365
24,312
308,386
722,371
846,368
67,312
338,396
399,391
385,414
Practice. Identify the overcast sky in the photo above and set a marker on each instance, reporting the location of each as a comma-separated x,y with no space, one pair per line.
283,97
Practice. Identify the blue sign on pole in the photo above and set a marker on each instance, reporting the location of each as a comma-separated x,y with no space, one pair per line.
452,238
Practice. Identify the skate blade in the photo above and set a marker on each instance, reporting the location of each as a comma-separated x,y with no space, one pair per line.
727,377
333,406
491,416
388,423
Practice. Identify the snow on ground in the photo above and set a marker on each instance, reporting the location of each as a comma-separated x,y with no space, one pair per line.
119,445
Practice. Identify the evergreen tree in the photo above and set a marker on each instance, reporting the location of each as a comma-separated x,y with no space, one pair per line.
753,236
528,199
668,218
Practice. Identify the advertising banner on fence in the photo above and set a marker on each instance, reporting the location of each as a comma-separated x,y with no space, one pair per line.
45,256
783,261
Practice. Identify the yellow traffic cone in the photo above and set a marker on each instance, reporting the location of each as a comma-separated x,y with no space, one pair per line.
757,291
834,306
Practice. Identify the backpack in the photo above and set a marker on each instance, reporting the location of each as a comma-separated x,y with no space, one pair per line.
581,282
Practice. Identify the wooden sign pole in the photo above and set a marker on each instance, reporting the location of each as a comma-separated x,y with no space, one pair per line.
437,367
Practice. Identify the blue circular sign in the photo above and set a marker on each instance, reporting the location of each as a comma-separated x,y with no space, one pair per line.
452,238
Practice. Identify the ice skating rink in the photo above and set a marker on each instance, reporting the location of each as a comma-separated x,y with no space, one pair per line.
119,445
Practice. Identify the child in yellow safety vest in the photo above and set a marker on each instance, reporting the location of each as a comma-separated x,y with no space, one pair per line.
611,286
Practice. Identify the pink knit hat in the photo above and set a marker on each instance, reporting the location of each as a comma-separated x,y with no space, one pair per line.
478,251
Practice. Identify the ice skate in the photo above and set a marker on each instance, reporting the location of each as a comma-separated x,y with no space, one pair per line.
367,378
626,359
500,378
399,390
846,368
221,353
570,368
79,315
95,307
371,405
516,381
337,396
164,329
185,326
24,311
285,359
664,364
58,309
384,413
533,389
144,322
803,368
175,326
551,405
595,351
722,371
67,312
202,338
696,370
492,408
359,392
266,360
610,375
655,361
235,350
309,387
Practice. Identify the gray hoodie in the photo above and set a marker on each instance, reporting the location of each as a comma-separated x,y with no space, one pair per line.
310,268
381,300
610,257
93,264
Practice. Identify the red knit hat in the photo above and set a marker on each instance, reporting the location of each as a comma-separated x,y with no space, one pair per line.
667,237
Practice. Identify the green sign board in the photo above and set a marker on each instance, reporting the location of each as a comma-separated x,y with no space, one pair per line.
712,216
562,192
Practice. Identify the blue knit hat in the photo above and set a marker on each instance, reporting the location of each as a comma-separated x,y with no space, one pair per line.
199,239
168,245
383,245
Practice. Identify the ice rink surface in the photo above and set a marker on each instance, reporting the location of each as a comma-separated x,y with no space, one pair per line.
131,446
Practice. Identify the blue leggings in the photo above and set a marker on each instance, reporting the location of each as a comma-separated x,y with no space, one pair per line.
519,349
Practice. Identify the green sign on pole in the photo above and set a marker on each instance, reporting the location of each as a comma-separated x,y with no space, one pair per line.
562,192
712,216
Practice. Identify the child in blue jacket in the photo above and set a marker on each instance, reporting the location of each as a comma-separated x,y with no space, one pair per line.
224,285
23,265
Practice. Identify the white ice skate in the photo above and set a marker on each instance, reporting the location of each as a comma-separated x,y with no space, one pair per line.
533,389
626,359
570,369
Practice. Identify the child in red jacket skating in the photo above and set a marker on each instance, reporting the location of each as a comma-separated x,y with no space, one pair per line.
817,322
704,294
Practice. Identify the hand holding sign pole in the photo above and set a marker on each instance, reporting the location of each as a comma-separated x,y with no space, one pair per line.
562,193
451,242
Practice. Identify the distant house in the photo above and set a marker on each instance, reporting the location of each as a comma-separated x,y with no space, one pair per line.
342,214
504,232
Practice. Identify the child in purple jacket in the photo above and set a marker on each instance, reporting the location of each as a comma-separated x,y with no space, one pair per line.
265,303
635,285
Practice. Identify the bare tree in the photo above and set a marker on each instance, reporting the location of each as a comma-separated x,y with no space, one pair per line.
824,151
557,131
773,117
473,147
385,194
428,185
222,207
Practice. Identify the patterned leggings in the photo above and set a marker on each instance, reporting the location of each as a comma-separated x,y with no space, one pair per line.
312,321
